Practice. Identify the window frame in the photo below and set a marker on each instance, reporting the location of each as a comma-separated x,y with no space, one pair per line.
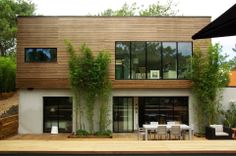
161,70
25,54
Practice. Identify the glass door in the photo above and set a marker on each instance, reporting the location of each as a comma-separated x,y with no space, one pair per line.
58,112
123,114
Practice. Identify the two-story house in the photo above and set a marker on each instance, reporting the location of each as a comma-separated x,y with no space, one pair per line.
150,62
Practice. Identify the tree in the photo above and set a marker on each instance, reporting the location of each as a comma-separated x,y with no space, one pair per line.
233,60
7,74
156,9
10,9
210,73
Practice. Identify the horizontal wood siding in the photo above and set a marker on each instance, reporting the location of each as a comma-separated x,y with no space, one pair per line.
98,33
8,126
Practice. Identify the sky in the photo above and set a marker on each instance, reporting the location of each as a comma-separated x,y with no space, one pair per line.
213,8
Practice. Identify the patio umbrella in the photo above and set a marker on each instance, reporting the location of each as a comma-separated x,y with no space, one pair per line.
224,25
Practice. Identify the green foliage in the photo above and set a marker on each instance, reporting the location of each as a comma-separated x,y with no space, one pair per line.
7,74
156,9
10,9
103,133
233,60
229,116
210,73
233,63
159,10
81,132
89,79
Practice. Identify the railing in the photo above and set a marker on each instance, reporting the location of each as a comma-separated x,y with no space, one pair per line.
8,126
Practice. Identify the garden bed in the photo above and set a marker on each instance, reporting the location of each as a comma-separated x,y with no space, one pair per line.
88,136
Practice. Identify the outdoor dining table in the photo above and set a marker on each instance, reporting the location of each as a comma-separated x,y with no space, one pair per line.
154,127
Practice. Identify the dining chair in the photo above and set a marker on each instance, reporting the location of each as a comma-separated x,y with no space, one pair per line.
162,131
176,132
153,132
140,132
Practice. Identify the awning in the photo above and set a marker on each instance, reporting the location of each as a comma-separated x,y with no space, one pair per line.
224,25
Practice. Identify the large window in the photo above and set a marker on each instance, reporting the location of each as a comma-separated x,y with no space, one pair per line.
138,60
58,112
169,60
152,60
184,59
122,60
123,114
163,109
40,54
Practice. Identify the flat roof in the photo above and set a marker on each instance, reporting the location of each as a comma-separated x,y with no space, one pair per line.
61,16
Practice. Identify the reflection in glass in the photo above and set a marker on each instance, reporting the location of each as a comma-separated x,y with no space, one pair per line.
58,112
169,60
153,60
138,60
122,60
40,54
123,114
184,59
163,109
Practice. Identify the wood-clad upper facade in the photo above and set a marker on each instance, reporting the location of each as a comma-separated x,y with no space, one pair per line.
98,33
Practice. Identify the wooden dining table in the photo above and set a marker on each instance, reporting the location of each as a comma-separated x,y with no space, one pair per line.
148,127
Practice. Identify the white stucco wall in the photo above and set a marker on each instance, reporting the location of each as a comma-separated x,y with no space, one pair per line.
31,109
229,95
31,105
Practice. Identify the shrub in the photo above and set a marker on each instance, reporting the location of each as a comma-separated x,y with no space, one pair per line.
103,133
81,132
229,116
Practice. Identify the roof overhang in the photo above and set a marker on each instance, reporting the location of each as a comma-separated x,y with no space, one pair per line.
224,25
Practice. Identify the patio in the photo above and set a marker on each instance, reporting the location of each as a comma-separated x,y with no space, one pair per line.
64,136
119,144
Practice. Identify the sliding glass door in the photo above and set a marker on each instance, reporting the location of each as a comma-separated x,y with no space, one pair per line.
163,109
57,112
123,114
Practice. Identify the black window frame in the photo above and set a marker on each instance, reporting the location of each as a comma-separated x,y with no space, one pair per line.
113,117
143,102
161,71
58,112
52,61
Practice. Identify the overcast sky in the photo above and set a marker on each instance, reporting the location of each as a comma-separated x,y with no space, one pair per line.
213,8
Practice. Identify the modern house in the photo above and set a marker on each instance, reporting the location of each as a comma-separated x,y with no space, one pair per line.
150,61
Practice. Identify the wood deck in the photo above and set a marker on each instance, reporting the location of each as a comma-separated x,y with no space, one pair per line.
115,145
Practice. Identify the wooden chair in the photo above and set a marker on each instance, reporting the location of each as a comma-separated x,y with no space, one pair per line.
176,132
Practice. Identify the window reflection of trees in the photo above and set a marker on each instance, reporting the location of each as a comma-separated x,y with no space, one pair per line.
41,55
153,60
169,60
122,60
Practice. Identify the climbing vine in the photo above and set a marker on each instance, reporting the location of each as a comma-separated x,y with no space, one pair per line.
90,83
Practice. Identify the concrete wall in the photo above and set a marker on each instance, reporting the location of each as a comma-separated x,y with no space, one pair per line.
31,109
229,95
31,105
